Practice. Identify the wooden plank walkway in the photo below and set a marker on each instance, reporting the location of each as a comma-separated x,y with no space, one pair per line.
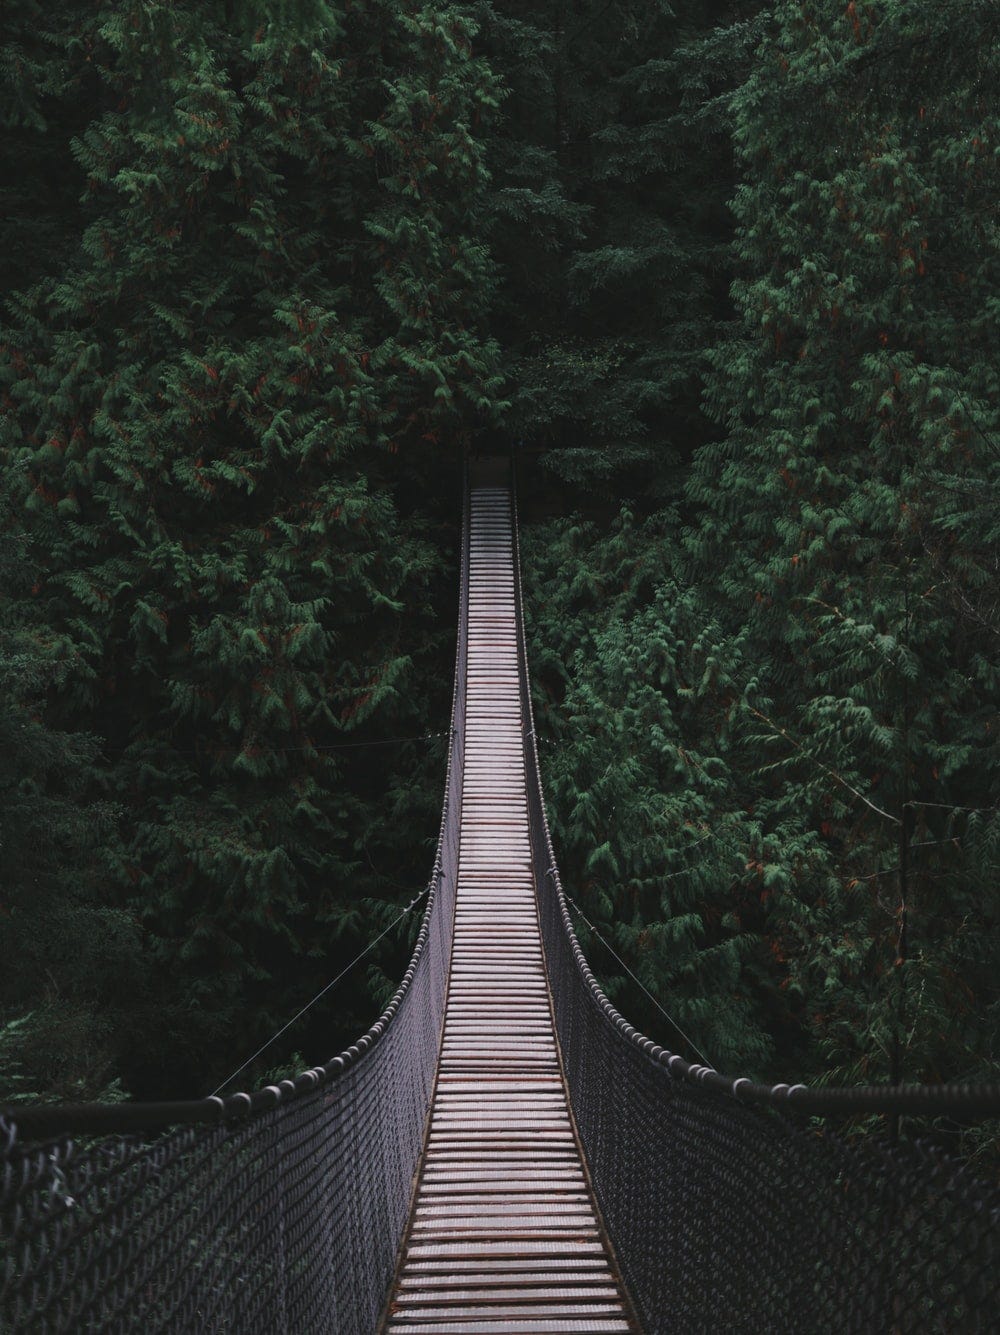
503,1236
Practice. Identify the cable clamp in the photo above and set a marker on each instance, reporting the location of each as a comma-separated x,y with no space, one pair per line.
417,898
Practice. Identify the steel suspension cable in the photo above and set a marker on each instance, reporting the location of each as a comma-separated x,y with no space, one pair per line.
638,981
323,991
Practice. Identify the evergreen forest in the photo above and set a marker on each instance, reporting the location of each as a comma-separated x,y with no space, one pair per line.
726,278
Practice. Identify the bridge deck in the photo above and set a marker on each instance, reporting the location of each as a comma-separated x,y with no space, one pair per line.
503,1236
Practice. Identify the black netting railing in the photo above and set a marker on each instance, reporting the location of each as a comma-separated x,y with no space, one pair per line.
728,1208
280,1211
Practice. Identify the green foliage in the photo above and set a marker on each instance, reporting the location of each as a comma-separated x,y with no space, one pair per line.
269,326
65,949
819,642
860,396
645,808
613,166
732,272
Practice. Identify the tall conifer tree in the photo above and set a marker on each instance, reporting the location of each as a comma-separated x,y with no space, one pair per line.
626,657
277,295
851,514
613,167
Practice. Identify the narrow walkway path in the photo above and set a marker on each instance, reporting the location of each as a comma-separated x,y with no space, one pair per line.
503,1237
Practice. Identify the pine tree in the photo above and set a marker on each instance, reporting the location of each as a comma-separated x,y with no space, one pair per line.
860,396
213,403
70,962
807,676
613,166
47,91
647,812
629,662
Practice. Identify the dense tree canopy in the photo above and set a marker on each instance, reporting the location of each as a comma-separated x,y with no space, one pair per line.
795,674
727,277
268,324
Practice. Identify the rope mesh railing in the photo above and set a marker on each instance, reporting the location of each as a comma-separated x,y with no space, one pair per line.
278,1211
729,1209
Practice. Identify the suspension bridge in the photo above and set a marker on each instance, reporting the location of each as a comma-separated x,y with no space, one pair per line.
501,1152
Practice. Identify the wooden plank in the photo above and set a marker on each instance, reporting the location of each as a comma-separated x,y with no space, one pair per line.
523,1326
510,1275
508,1293
509,1308
456,1270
